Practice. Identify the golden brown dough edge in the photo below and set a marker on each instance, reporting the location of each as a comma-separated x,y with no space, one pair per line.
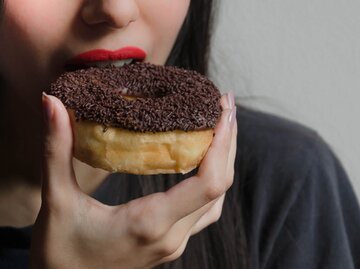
121,150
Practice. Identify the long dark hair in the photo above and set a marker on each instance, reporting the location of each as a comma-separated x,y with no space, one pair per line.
1,9
191,49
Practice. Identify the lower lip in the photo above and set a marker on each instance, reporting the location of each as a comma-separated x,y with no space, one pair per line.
106,55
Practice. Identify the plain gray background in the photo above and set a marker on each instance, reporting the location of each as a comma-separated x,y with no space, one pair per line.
297,59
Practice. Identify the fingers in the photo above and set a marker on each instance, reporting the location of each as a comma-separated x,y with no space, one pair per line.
211,212
232,153
227,101
211,216
212,180
167,220
172,244
170,254
214,213
58,174
154,215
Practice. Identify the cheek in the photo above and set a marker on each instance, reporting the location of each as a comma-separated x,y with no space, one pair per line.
165,19
30,33
38,23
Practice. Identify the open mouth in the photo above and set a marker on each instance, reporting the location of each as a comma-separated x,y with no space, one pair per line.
102,58
100,64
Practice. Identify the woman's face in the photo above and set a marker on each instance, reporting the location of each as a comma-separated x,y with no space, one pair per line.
38,37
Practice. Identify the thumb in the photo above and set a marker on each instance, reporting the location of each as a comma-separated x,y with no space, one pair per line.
58,172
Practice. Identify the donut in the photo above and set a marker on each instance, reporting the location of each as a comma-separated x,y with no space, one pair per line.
140,118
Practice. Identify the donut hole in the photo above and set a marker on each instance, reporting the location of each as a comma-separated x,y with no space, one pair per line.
130,97
128,94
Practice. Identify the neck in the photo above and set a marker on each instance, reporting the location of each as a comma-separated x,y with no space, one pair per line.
21,138
20,200
20,157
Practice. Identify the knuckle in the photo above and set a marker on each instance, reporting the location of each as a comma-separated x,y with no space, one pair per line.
214,189
148,235
50,148
173,256
51,206
145,232
57,208
167,248
143,226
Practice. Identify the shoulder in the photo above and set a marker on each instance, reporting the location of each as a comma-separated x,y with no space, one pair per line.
292,184
260,131
279,145
276,155
277,160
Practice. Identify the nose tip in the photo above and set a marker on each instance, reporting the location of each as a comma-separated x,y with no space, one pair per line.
115,13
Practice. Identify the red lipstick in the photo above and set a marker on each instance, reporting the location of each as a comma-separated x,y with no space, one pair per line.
107,55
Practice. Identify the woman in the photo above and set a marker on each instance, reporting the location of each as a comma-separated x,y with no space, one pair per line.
290,204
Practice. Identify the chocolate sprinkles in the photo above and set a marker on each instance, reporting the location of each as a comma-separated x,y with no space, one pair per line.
140,97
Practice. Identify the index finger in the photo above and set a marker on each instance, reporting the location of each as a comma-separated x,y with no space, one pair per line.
197,191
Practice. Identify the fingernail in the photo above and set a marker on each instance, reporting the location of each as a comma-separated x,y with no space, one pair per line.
231,99
47,108
232,117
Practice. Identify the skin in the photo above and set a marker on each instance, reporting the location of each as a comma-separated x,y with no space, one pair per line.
71,228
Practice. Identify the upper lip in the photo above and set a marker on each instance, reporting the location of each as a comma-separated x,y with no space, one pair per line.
98,55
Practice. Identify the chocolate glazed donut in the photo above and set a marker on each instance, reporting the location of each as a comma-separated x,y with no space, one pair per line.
140,118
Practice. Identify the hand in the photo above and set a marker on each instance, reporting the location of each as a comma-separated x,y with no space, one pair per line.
73,230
